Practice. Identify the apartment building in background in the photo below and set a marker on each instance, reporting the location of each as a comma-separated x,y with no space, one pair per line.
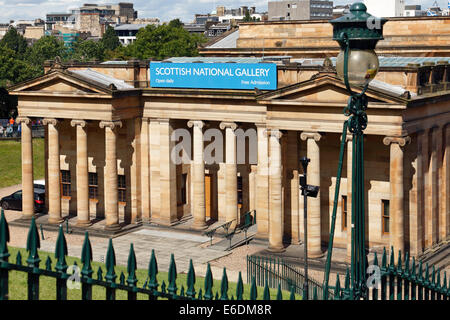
300,10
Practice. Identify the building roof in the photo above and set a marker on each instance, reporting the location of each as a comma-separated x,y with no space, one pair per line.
130,26
228,41
91,75
214,59
384,61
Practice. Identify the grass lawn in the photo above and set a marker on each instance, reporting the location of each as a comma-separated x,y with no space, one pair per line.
10,161
47,286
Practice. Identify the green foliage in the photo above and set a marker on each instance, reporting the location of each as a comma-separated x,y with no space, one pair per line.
14,70
247,17
14,41
168,40
110,40
87,50
46,48
176,23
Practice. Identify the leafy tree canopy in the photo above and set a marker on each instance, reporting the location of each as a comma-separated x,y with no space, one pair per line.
46,48
13,70
86,50
168,40
110,40
14,41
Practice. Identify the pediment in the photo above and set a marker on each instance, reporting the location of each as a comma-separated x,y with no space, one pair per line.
59,83
324,89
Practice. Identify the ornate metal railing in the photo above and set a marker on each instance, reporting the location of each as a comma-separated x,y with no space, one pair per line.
151,288
277,272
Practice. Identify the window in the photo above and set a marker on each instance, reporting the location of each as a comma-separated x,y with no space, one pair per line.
93,185
385,216
182,196
122,188
344,213
65,183
239,191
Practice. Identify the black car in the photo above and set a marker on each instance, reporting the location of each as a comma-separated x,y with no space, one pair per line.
14,201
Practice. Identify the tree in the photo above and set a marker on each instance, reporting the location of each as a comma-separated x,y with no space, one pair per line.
86,50
46,48
247,17
14,70
110,40
168,40
14,41
176,23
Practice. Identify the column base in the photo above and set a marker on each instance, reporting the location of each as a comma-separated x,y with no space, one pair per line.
199,226
319,254
83,223
276,249
113,227
57,220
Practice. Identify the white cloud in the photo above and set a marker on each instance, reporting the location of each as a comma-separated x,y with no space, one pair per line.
164,9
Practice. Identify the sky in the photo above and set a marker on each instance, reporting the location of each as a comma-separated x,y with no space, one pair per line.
166,10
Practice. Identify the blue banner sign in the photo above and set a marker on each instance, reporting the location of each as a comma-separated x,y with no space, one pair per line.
245,76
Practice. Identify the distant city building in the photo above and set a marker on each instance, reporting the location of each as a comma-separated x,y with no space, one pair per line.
386,8
300,10
414,11
127,32
232,16
93,18
339,11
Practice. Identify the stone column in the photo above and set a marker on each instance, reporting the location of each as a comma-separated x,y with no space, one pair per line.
396,219
349,195
445,189
198,176
230,172
155,185
275,192
291,207
27,168
145,170
314,221
54,180
262,183
111,196
436,144
168,175
83,219
416,201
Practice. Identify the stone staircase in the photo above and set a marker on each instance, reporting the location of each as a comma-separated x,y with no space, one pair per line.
437,256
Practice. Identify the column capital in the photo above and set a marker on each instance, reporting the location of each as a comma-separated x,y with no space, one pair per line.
273,133
401,141
22,119
225,125
195,123
81,123
261,125
52,121
310,135
110,124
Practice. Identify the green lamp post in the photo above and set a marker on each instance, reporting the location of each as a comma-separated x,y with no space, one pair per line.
357,64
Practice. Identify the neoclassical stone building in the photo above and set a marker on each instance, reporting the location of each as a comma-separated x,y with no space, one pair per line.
109,141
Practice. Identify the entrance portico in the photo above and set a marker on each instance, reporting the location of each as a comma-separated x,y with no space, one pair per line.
112,144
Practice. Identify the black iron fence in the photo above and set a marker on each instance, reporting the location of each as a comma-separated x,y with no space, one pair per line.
277,272
88,278
405,280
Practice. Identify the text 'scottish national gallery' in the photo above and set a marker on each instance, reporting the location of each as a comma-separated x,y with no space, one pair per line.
113,140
